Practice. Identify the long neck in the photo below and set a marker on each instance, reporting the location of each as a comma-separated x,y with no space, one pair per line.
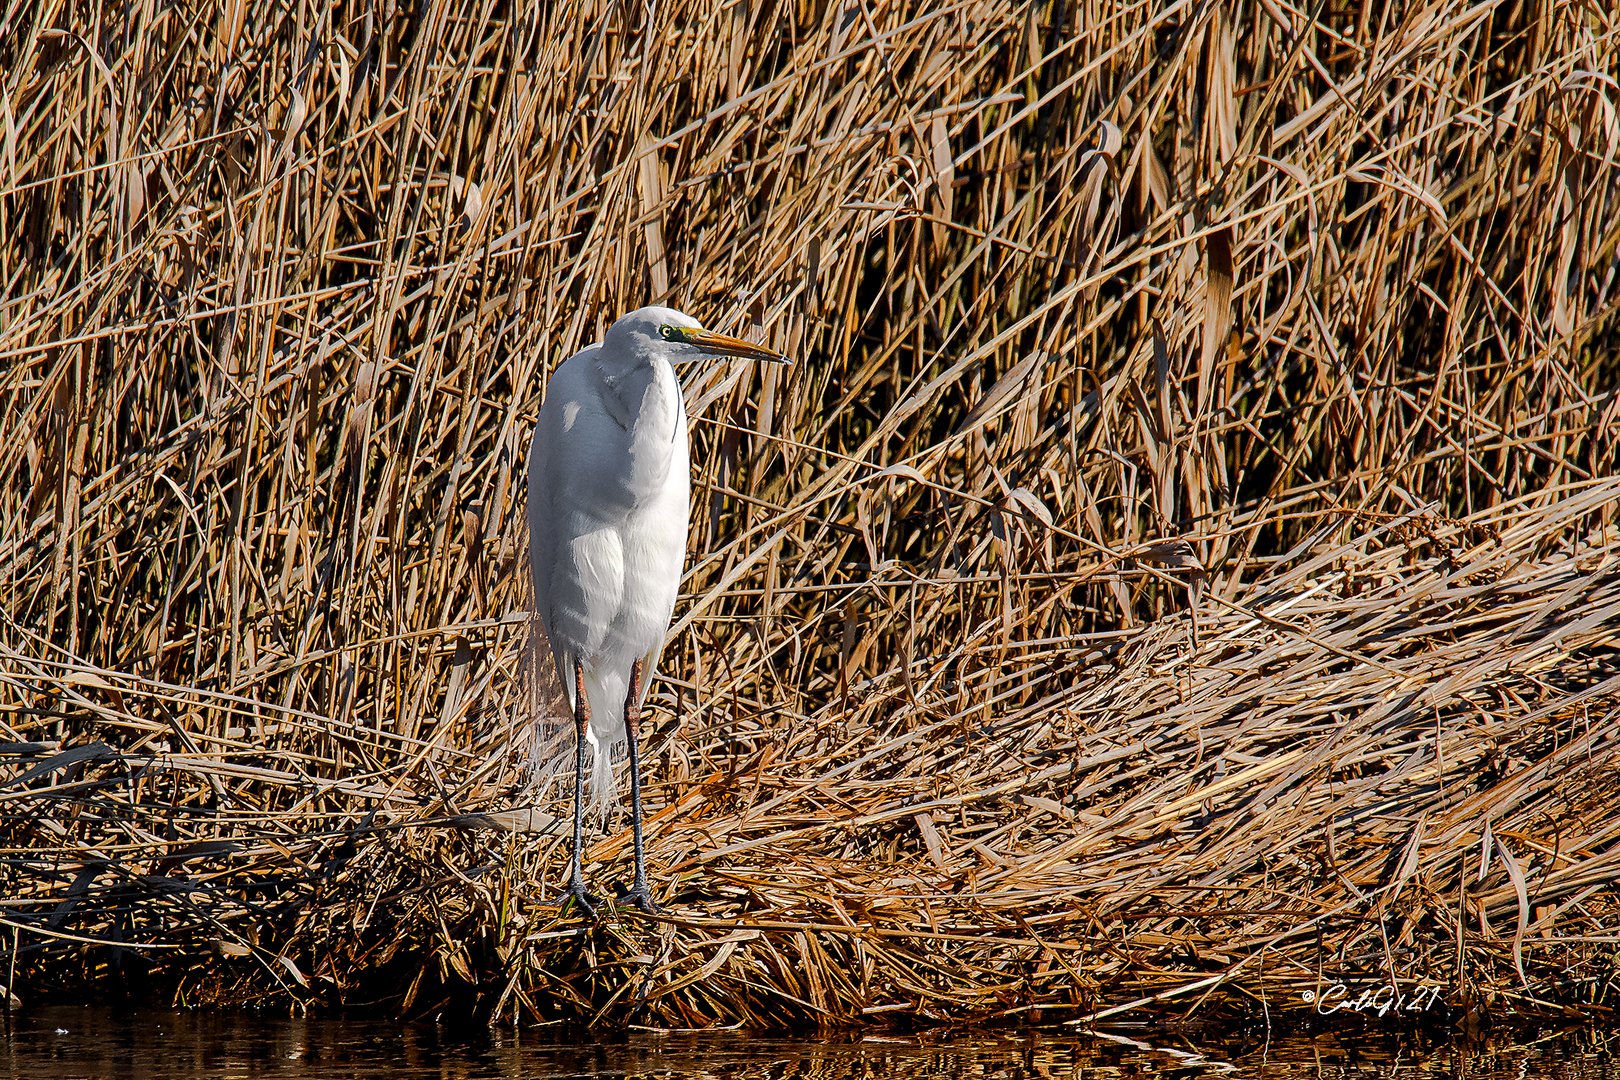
643,396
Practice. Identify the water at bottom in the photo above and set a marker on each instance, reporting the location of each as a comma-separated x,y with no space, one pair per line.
64,1043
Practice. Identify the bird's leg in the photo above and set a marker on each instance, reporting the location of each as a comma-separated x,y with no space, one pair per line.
582,721
639,894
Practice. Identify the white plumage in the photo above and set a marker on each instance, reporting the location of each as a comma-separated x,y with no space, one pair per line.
607,529
609,496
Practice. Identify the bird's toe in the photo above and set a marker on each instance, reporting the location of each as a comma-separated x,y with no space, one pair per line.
641,898
576,895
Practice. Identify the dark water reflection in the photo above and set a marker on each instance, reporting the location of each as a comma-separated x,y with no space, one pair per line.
64,1043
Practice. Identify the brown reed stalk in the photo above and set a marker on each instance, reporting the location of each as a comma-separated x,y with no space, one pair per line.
1180,570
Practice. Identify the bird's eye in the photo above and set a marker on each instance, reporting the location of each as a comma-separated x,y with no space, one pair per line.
667,332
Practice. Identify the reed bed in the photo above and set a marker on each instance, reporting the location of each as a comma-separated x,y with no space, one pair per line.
1180,575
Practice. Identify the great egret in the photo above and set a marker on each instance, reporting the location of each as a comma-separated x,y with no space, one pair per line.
608,503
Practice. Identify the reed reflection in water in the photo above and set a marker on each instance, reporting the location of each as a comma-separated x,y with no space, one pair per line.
63,1043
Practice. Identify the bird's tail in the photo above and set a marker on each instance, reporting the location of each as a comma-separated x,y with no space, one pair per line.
553,756
605,690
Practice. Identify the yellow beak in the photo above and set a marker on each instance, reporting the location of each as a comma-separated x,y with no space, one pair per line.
725,345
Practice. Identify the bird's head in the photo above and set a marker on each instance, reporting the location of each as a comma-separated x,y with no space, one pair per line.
676,337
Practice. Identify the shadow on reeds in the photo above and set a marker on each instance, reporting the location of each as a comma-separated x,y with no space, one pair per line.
1180,574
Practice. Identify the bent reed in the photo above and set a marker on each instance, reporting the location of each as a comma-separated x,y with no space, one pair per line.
1180,574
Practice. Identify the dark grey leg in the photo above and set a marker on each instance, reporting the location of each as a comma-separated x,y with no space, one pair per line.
576,876
639,894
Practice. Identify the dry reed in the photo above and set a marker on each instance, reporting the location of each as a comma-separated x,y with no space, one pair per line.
1181,571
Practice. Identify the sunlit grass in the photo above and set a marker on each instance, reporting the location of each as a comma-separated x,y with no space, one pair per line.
1188,534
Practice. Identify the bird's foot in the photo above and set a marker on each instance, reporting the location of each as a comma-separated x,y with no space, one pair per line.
575,894
641,897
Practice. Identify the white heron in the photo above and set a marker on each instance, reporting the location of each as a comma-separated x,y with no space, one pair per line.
608,503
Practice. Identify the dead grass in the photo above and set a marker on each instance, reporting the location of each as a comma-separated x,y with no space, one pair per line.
1182,569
